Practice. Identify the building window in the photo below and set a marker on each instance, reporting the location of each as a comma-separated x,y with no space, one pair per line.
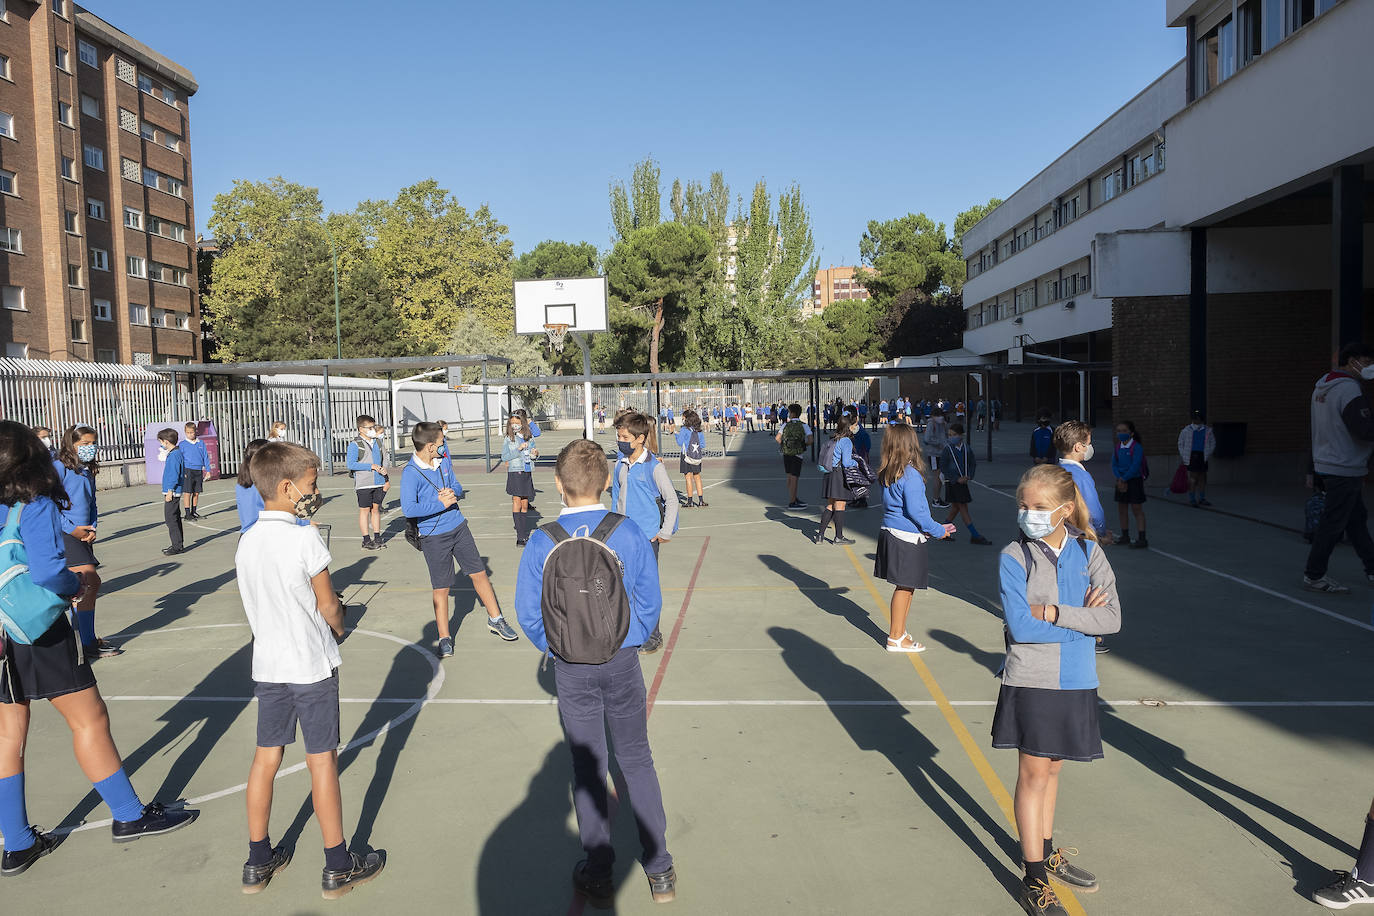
64,114
10,240
1301,12
6,125
87,54
100,259
69,222
138,314
90,106
1216,55
4,67
133,219
16,351
147,132
74,275
171,141
136,267
100,309
125,71
166,273
14,298
60,7
104,356
63,60
1250,33
145,84
183,321
95,209
7,185
68,169
169,97
129,168
128,120
94,157
167,229
79,329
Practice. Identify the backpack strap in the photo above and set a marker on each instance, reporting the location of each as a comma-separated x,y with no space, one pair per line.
555,531
12,522
608,525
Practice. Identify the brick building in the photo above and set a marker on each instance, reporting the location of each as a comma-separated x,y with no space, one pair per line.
1224,282
831,285
97,227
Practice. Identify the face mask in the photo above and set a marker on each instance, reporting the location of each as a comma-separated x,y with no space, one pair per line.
1367,373
85,453
1037,523
626,448
956,440
47,442
162,454
1123,437
279,434
370,433
307,506
1088,452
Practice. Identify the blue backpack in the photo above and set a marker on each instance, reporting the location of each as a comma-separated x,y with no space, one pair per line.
27,609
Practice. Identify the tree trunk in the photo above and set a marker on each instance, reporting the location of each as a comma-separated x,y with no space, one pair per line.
653,339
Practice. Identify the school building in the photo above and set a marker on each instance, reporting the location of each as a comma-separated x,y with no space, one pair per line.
1209,239
833,284
97,226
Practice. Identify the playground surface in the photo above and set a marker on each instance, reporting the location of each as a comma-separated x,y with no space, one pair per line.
804,769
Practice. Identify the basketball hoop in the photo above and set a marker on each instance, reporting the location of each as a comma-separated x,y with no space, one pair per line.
557,335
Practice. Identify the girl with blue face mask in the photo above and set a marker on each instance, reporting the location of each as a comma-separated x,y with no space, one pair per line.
1058,594
76,465
1128,467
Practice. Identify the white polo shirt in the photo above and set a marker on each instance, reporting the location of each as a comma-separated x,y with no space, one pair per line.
275,561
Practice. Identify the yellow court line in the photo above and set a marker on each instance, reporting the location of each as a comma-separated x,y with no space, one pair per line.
975,753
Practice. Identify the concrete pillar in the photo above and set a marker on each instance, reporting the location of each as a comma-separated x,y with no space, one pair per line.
1347,236
1197,322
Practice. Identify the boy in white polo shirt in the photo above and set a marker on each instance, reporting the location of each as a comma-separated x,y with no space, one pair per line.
298,622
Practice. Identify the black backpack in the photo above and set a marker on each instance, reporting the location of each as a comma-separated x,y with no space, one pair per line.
585,606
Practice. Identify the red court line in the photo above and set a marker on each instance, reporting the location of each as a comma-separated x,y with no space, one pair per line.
677,628
578,904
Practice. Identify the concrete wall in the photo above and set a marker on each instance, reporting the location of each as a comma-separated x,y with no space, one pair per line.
1280,123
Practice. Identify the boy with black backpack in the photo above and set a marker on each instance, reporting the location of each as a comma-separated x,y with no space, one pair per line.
588,593
794,439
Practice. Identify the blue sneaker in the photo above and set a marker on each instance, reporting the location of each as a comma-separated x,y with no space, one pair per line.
446,647
498,626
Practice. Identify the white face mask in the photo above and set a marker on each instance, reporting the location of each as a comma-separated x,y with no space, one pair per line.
47,442
370,433
1037,523
1088,452
1367,373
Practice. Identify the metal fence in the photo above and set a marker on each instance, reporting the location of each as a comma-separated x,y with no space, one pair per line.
568,402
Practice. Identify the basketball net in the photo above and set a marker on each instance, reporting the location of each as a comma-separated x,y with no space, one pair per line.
557,335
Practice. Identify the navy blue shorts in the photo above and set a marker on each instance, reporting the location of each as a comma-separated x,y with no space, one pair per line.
371,496
314,706
441,550
192,481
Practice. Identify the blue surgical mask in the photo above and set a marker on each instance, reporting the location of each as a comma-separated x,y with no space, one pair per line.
1037,523
85,453
956,440
1123,437
626,448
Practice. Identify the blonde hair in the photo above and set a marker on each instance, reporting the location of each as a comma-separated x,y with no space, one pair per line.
1059,484
901,449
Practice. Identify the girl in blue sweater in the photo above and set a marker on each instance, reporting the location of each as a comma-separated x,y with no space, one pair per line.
51,669
1058,594
76,467
1128,467
518,452
907,526
692,441
834,490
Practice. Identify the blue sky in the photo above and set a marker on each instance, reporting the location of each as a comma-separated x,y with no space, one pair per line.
534,107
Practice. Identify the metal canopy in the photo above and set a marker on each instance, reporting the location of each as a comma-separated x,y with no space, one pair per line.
333,366
817,374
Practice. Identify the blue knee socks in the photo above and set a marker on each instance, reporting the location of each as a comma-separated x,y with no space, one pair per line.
14,817
85,625
973,531
118,793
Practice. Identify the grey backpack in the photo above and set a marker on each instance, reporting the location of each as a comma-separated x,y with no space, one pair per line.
585,607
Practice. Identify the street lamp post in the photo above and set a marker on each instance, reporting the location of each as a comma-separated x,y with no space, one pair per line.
334,262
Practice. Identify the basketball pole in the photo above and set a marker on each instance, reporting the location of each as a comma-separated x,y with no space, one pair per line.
587,431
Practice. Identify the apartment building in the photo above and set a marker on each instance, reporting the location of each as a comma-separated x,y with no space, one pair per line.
1207,240
831,285
97,227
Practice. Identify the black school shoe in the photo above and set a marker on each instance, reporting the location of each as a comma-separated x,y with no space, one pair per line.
1039,899
334,884
156,820
16,863
599,892
1071,875
257,877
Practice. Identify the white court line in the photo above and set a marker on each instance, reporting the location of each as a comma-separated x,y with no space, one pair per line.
553,701
1334,615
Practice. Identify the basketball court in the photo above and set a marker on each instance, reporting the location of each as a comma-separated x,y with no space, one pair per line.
804,769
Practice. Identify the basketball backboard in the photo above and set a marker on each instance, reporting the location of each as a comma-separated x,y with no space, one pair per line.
579,303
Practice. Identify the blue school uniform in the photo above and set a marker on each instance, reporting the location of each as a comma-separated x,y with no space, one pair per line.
642,499
1127,460
364,478
172,468
420,488
40,528
1088,490
194,454
80,487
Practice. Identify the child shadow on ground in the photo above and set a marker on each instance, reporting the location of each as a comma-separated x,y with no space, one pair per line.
806,524
172,607
1171,762
130,579
826,597
887,730
526,863
989,660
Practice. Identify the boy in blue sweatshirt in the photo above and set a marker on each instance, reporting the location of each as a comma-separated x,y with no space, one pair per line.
367,461
172,468
593,698
429,498
197,460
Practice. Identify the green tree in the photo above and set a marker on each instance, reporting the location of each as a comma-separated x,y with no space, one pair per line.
557,259
910,252
656,269
641,206
962,224
442,261
915,323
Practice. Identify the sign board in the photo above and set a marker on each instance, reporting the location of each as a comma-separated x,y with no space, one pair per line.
1116,388
935,378
1016,356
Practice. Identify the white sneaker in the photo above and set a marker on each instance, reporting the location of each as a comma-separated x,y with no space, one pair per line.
1324,584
